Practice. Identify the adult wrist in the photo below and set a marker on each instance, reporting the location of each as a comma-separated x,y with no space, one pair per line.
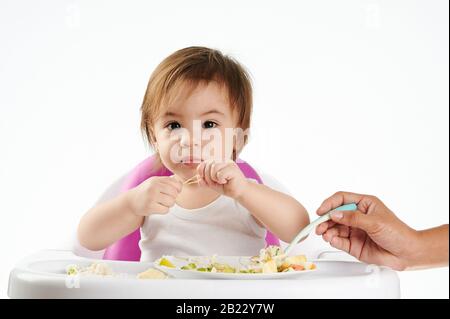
432,248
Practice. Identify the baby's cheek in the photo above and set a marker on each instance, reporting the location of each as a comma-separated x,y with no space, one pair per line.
217,152
227,147
176,154
167,152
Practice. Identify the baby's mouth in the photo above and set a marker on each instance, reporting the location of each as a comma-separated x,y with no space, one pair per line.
190,161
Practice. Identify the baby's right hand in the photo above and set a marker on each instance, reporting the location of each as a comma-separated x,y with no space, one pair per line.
154,196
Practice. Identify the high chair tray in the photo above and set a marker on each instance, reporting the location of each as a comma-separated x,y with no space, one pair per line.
42,275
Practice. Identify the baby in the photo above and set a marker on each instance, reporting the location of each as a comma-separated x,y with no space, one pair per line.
196,116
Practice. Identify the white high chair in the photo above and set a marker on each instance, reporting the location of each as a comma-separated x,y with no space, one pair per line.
42,275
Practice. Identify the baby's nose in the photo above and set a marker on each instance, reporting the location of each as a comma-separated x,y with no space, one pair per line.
186,140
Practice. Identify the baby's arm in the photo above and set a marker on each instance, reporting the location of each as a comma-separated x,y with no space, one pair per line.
280,213
108,222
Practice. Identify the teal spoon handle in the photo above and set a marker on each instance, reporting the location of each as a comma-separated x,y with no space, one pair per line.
305,231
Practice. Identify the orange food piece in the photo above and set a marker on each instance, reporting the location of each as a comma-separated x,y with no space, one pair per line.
298,267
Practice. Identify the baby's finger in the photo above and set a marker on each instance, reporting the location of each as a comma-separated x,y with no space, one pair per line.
165,200
216,172
173,182
207,173
323,227
177,178
201,169
226,174
169,189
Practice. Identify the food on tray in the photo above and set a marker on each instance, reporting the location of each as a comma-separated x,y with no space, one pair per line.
96,268
152,274
72,270
165,262
103,269
270,260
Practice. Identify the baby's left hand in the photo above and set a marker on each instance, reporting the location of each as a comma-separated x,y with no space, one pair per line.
225,177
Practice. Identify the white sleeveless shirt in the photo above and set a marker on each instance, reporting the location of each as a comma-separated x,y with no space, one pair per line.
223,227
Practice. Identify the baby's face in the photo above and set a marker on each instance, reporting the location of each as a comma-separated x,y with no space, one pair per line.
196,127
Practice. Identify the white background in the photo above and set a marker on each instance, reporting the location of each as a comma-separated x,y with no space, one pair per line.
349,95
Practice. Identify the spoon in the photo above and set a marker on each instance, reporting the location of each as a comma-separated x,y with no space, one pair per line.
305,231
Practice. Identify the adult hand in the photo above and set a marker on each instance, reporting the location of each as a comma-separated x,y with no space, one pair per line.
373,234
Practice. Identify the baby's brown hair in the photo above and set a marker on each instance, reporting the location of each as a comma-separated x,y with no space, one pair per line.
195,65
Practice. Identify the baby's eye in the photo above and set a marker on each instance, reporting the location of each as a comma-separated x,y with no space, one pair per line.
209,124
173,126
